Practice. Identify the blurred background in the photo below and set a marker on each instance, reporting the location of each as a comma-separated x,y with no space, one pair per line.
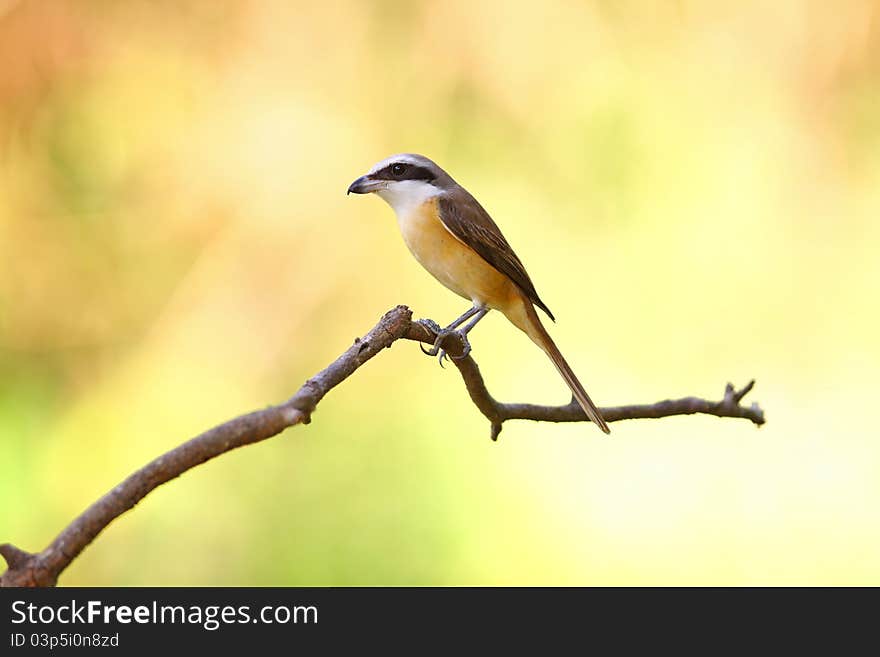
694,187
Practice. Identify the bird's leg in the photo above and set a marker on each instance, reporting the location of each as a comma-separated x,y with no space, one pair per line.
442,333
462,333
436,349
465,316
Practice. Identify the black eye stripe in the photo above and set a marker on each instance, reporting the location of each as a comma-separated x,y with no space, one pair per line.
420,173
411,172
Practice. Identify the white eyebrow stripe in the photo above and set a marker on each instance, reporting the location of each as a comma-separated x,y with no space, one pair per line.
400,157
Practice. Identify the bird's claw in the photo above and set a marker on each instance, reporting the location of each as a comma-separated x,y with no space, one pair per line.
437,350
431,325
435,328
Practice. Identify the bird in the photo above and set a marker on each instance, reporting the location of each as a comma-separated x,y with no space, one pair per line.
454,238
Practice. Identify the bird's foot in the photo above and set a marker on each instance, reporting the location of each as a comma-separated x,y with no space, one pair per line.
439,333
434,328
437,350
466,348
430,324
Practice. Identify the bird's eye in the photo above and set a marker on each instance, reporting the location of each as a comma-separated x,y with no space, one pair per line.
398,169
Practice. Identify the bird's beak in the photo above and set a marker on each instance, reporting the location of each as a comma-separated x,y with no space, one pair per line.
364,185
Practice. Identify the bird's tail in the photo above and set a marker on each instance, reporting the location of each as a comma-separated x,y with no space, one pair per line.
536,331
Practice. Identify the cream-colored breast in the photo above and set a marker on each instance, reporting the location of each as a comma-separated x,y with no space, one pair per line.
449,260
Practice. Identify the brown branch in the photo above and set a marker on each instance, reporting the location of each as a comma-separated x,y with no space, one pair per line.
498,412
44,568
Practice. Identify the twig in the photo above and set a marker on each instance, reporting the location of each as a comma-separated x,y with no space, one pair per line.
43,568
498,412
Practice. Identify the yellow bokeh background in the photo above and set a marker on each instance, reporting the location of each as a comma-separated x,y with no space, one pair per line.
694,187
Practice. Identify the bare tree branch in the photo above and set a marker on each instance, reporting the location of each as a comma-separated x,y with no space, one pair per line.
43,568
497,412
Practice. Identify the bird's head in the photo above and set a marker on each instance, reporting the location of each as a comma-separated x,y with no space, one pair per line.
403,180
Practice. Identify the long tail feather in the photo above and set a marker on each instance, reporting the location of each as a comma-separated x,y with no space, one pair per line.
539,336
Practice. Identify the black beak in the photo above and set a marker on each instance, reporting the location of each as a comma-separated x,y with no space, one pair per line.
360,186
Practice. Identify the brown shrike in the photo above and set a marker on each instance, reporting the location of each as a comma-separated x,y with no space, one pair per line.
455,239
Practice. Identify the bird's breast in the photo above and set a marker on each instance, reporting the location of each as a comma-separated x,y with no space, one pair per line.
449,260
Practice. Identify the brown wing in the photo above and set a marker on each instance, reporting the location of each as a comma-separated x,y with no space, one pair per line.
469,222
